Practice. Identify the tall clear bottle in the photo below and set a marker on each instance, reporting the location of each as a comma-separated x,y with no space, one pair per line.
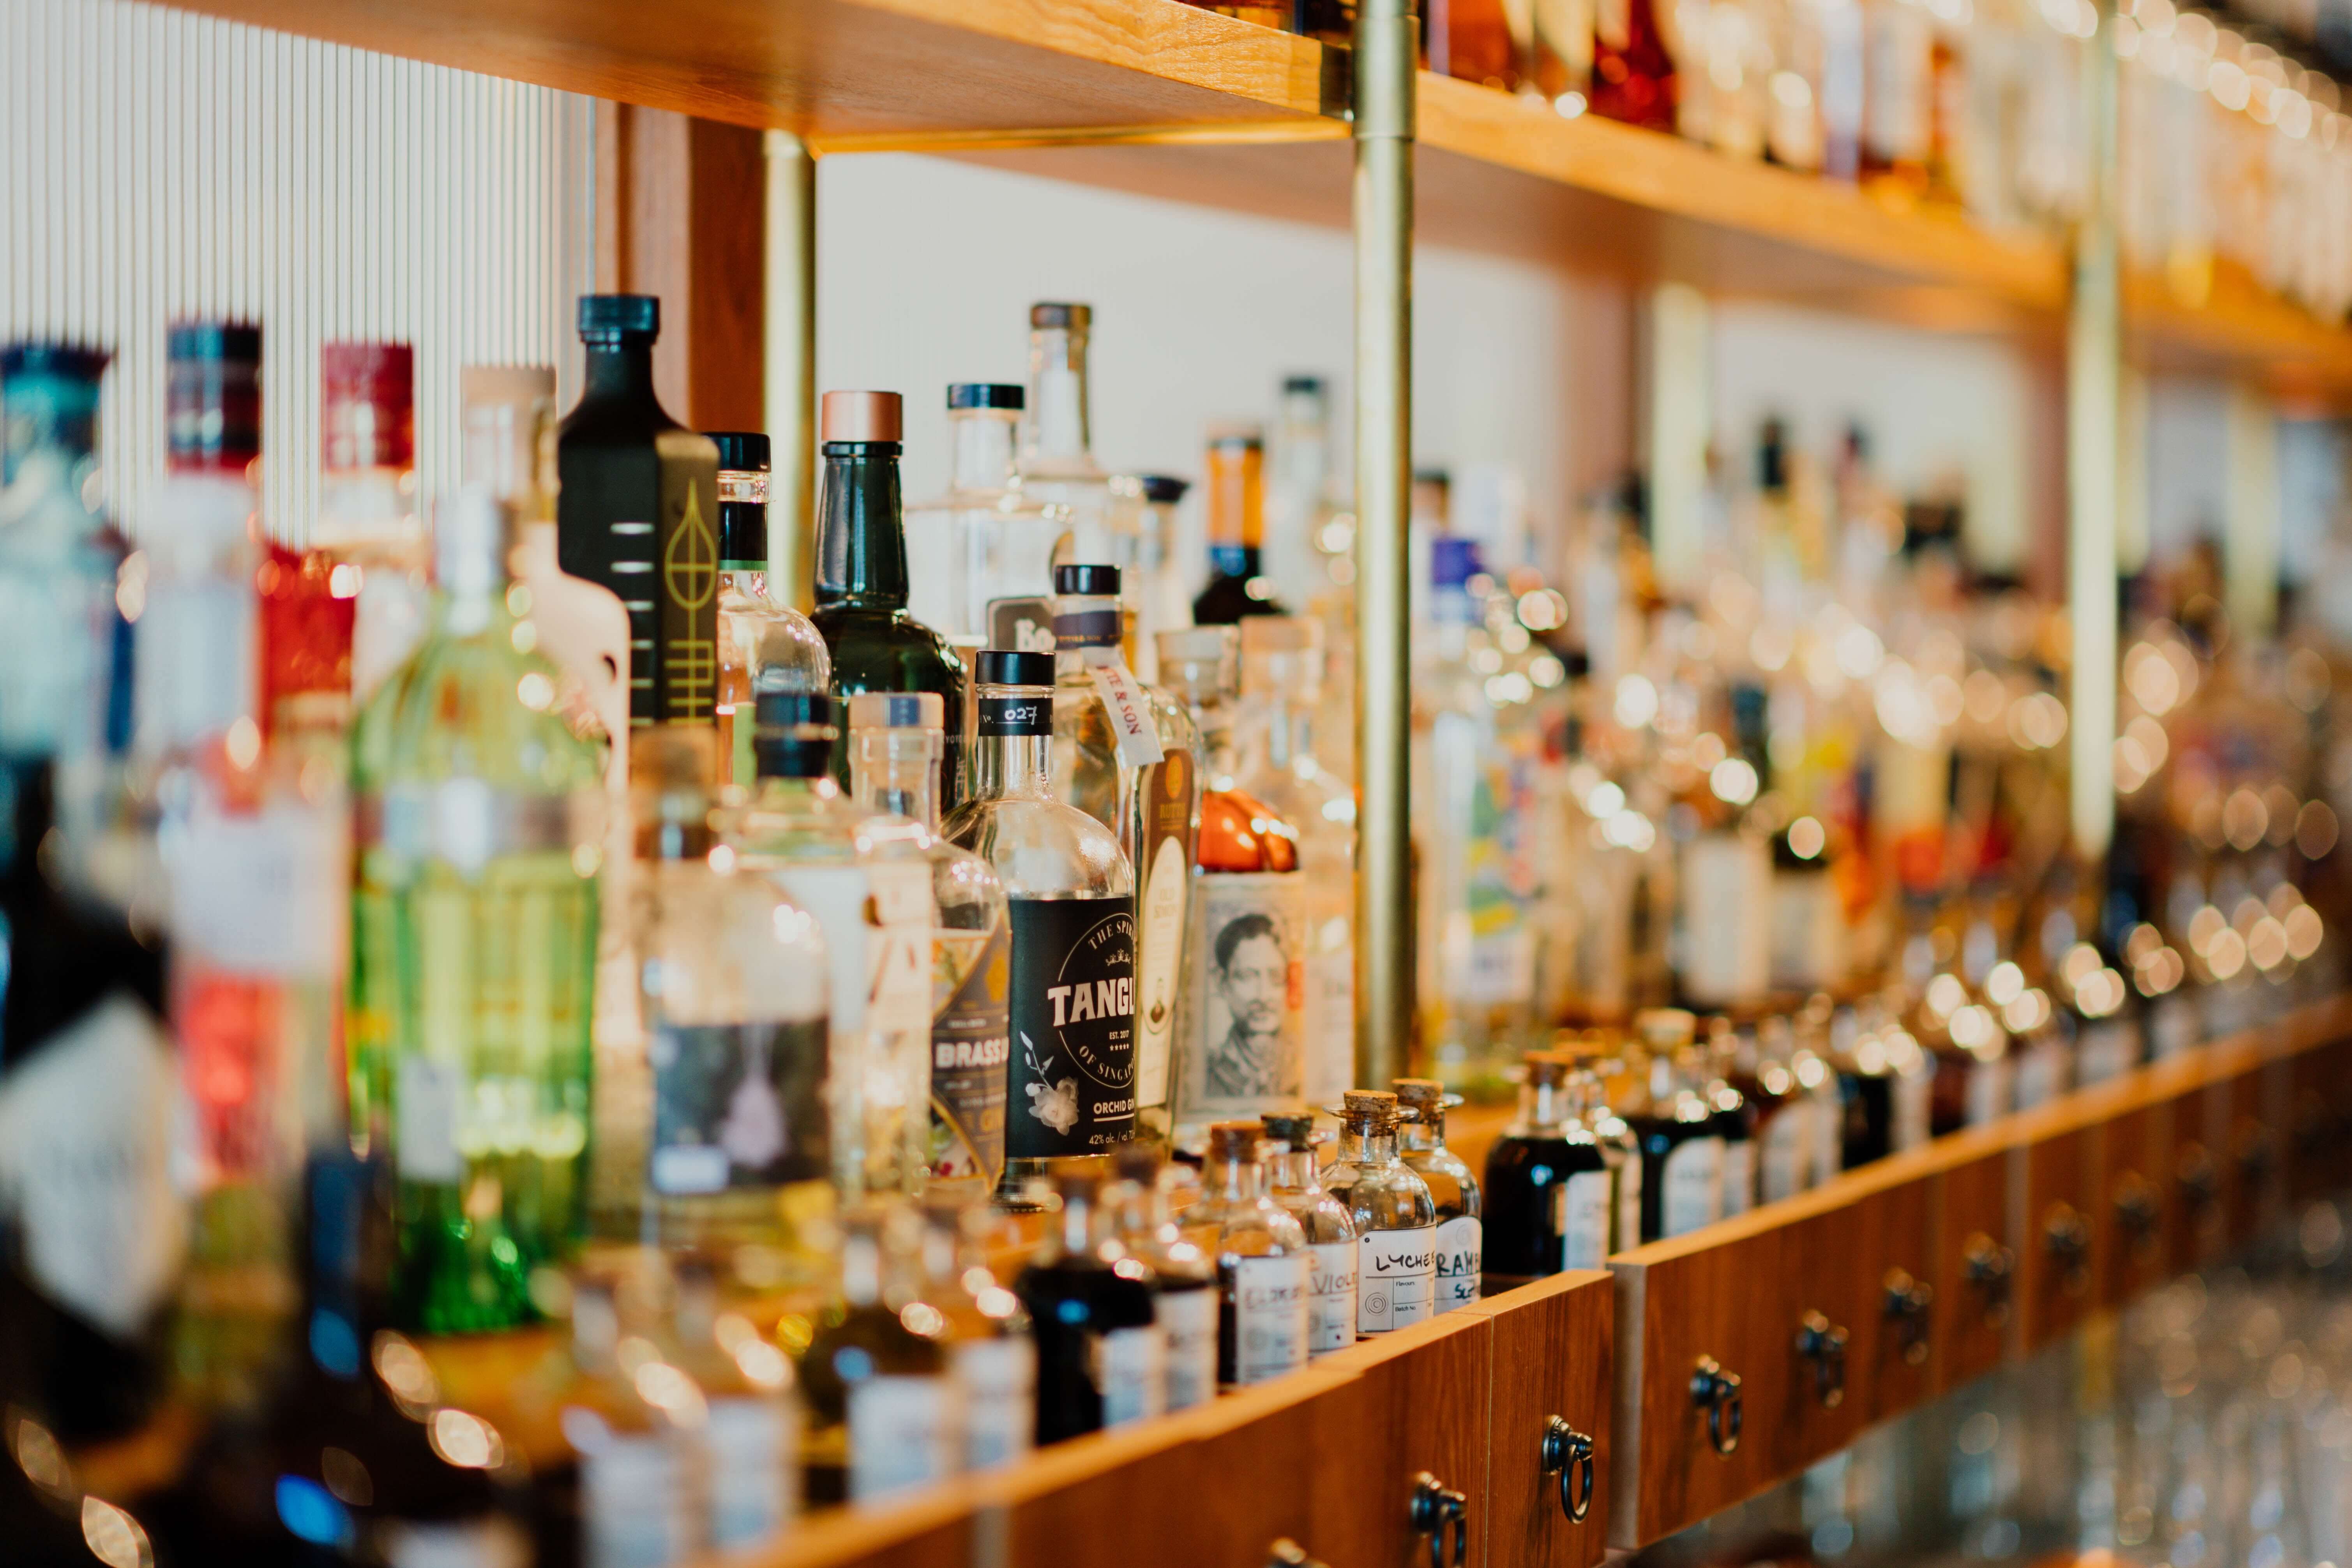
474,945
896,741
1589,1097
1057,459
1394,1217
1070,1085
1291,1181
988,544
371,518
1301,508
1265,1271
1421,1144
763,645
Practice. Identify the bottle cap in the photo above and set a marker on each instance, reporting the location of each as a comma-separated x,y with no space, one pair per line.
1294,1130
1236,1140
1051,313
1237,435
1419,1093
794,709
1549,1067
987,394
482,385
1373,1102
862,416
1085,582
1452,561
742,451
239,341
1163,489
367,406
1136,1160
609,317
1005,667
898,711
1665,1028
65,362
470,536
1314,384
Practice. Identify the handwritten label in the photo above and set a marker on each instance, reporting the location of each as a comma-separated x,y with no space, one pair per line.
1269,1316
1460,1250
1396,1276
1581,1217
1330,1297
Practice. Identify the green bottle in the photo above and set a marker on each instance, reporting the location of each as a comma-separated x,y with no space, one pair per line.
861,576
474,945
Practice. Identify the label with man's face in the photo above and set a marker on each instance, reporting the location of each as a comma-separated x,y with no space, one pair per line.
1244,1025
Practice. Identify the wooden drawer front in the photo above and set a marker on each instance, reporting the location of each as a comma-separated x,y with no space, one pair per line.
2059,1259
1899,1227
2201,1125
2254,1174
1552,1359
1975,1266
2312,1143
945,1527
1827,1329
2137,1202
1086,1504
1417,1403
1709,1301
2334,1077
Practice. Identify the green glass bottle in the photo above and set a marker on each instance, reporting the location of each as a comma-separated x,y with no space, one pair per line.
861,576
474,945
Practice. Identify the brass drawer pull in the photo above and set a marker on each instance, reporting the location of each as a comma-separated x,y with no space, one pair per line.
1717,1391
1568,1452
2136,1214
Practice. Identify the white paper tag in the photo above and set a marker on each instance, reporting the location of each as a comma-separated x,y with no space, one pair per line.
1694,1182
752,1447
1330,1297
1269,1316
1396,1272
1739,1177
1000,1399
1460,1258
634,1502
902,1434
1786,1167
1131,1371
1188,1322
1138,741
1582,1220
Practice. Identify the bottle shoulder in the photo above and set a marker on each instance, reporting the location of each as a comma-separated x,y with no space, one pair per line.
474,707
1043,848
1321,1217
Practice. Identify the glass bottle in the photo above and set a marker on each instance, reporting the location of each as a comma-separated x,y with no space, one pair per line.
474,945
635,1458
733,978
1421,1144
994,1359
1474,40
1099,1351
763,645
750,1433
1283,690
861,574
1057,459
1588,1102
1306,529
1394,1217
1291,1181
1783,1113
1548,1186
1183,1276
638,512
1733,1121
1157,598
895,740
1682,1152
1633,65
987,545
370,518
1070,1084
1236,501
1264,1270
1817,1078
883,1413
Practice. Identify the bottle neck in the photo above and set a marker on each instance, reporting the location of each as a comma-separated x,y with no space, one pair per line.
897,771
1061,431
1077,1225
1290,1170
1425,1133
1083,622
742,520
980,449
861,539
1011,758
1542,1104
1234,1180
619,368
1368,1142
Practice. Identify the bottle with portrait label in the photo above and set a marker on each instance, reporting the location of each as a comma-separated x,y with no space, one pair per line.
1548,1186
1183,1275
1682,1152
1265,1271
1394,1217
1101,1354
1420,1143
1289,1155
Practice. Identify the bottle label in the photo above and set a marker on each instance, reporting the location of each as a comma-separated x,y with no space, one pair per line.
635,1504
1269,1316
738,1105
1188,1326
1015,716
1134,736
264,893
1629,1204
753,1447
2106,1048
999,1383
491,1542
1396,1278
1330,1297
1786,1168
1915,1101
1166,863
1244,1025
900,911
1826,1112
1694,1181
970,1043
1739,1175
426,1098
1131,1371
1071,1079
902,1434
1459,1249
1580,1215
1988,1090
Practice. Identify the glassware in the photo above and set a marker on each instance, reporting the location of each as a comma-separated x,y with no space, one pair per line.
1235,487
1394,1217
993,1358
1264,1269
1291,1182
1766,1074
1183,1275
1157,598
1733,1121
369,517
988,545
1473,39
1071,1080
879,1378
751,1432
631,1421
1633,65
1588,1102
1682,1152
1057,459
1422,1103
1549,1188
1100,1352
764,646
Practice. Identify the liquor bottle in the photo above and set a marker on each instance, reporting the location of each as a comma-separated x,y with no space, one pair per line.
1421,1144
1183,1275
1589,1103
1127,755
474,945
873,903
990,1355
733,981
1070,1084
1548,1186
987,545
1291,1182
1100,1352
1898,102
1734,1123
1394,1217
1057,459
1682,1152
861,576
633,1476
764,646
1633,63
369,517
1817,1078
896,740
1265,1271
638,513
750,1433
883,1411
1236,500
1157,597
1783,1113
1283,690
1306,529
1474,40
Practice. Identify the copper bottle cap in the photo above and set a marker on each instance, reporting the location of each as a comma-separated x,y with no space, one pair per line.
1235,1141
862,416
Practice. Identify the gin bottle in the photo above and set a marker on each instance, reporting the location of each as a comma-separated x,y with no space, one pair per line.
1057,459
1394,1217
1183,1276
1422,1102
994,1359
1071,1079
1549,1187
882,1401
474,945
750,1433
987,545
1289,1154
764,646
1265,1271
1238,588
896,741
1157,598
1100,1351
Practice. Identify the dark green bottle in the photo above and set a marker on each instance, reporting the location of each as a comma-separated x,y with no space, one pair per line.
638,513
861,576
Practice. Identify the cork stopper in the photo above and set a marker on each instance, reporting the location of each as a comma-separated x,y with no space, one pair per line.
1137,1160
865,416
1369,1105
1423,1099
1294,1130
1235,1141
1550,1068
1665,1028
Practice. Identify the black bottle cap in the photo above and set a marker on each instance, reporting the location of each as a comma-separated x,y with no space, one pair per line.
613,315
1093,582
793,710
236,342
1005,667
987,394
742,450
1164,490
1313,383
70,361
1054,313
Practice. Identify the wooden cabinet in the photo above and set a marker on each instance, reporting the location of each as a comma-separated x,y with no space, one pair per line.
2201,1122
1823,1313
1414,1403
2059,1261
1897,1366
2137,1201
1553,1363
1976,1258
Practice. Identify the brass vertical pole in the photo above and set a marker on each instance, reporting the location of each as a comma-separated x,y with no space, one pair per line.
1385,56
791,366
2093,389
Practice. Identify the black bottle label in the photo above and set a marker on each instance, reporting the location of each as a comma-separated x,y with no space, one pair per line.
738,1105
970,1042
1071,1084
687,673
